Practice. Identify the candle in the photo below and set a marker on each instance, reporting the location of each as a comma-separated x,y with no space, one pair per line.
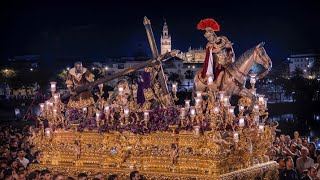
98,114
236,137
216,110
48,132
265,102
107,109
231,110
241,122
261,128
221,95
41,107
192,111
146,115
252,78
187,104
53,86
226,100
126,111
196,130
120,90
241,108
84,110
174,87
261,99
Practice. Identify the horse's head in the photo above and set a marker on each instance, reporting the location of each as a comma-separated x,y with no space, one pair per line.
262,57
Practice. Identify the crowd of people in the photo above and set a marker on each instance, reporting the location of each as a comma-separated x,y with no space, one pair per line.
17,153
298,158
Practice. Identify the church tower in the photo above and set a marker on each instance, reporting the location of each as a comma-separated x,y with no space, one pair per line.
165,39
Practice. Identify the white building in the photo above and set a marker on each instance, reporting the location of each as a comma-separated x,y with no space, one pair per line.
304,62
165,39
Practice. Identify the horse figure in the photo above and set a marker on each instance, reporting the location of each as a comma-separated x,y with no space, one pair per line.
234,77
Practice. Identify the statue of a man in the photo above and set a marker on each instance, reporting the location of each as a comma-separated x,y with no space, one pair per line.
78,76
219,51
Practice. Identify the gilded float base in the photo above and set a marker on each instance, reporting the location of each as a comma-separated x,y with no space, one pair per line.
266,170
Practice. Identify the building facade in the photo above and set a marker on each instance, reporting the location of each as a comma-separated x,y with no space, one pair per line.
305,62
165,39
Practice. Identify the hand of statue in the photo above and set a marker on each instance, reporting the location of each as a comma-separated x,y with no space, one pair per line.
73,93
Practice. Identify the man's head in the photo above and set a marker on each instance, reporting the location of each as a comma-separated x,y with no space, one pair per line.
46,174
82,176
78,66
296,134
134,175
312,172
210,26
289,162
281,163
304,152
21,153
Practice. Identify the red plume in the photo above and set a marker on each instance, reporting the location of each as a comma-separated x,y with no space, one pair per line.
209,22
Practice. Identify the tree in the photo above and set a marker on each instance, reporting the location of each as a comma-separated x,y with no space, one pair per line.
174,77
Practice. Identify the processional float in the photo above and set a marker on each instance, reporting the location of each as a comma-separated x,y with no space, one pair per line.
207,140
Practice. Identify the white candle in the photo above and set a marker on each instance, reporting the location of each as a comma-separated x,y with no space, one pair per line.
98,114
41,107
241,122
265,102
126,111
226,100
241,108
252,78
107,109
120,90
261,128
192,111
187,104
53,86
84,110
236,137
221,95
261,99
146,115
216,110
231,110
48,132
174,87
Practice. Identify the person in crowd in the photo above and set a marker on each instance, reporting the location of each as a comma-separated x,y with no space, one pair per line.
82,176
304,162
113,177
289,173
135,175
311,174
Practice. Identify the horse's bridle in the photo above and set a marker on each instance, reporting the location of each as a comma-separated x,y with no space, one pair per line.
267,69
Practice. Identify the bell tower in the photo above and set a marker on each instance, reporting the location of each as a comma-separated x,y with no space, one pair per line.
165,39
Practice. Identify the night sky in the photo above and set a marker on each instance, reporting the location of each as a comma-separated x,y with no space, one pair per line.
114,28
